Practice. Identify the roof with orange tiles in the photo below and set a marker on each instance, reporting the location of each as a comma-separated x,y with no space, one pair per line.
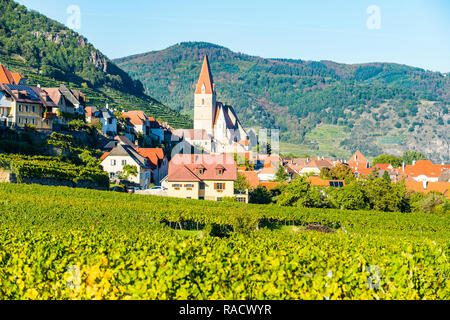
442,187
191,167
17,77
6,76
252,178
205,78
424,167
136,117
103,157
155,155
384,166
316,181
270,185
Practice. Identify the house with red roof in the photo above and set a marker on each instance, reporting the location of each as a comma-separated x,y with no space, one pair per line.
145,124
203,177
424,171
8,77
151,163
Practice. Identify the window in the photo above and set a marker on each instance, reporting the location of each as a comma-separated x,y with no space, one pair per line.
203,101
20,120
34,121
112,175
200,171
20,107
26,120
219,172
241,199
113,162
189,186
202,186
219,186
26,108
176,186
33,108
124,162
219,199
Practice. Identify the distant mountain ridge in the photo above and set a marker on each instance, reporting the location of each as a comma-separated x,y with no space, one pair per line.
49,53
404,107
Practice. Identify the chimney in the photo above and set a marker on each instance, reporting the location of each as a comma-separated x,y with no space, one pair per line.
425,185
403,167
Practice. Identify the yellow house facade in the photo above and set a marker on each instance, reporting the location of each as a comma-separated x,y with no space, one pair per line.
202,177
23,105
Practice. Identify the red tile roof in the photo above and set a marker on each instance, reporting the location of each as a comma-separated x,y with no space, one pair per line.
205,78
416,186
270,185
384,166
136,117
154,155
186,167
252,178
316,181
424,167
103,157
6,76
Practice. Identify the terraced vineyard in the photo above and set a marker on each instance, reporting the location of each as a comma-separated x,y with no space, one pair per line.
64,243
101,96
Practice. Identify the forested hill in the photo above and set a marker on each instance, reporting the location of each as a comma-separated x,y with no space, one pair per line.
377,107
49,53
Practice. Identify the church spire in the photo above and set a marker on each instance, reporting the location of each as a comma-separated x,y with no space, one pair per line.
205,79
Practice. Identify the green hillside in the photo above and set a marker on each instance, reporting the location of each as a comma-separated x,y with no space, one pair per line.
296,96
49,53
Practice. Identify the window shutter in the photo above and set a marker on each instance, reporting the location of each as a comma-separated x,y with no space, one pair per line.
215,186
223,186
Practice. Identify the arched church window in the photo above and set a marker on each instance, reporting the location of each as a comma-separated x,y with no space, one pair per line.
203,101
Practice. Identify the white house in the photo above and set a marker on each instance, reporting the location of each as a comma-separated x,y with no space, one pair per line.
114,161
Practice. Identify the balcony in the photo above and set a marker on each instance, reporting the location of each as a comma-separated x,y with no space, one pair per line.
49,116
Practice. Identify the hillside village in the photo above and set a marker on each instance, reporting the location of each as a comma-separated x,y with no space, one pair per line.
144,155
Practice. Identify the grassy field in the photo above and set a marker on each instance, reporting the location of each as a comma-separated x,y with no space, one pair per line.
65,243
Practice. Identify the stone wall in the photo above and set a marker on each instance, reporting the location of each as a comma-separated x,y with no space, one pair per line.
10,177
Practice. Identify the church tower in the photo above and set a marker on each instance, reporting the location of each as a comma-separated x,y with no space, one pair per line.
205,99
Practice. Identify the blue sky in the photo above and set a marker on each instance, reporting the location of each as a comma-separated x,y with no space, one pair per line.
413,32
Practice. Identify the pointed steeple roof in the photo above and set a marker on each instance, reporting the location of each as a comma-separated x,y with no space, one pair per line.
205,78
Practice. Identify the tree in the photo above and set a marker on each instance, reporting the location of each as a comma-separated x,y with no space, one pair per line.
260,195
241,183
386,176
396,162
350,197
410,156
281,174
341,172
295,193
129,171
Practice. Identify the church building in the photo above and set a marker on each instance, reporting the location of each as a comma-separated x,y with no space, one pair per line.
218,120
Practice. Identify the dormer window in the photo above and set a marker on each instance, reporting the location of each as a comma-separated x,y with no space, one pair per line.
200,171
